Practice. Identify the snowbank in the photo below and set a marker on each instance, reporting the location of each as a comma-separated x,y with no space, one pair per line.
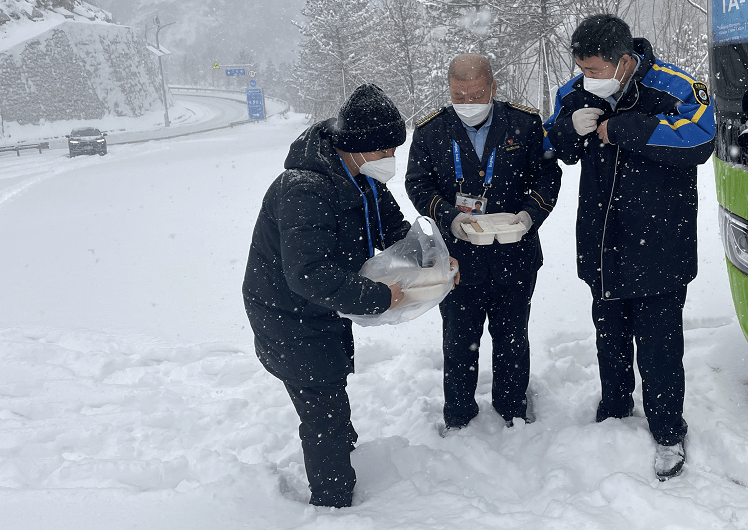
130,395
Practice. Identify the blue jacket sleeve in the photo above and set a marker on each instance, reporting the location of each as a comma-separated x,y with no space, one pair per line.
683,138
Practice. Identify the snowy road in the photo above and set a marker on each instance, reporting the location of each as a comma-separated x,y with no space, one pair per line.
206,112
193,112
130,395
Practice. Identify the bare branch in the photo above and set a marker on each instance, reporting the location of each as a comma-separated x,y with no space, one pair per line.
697,6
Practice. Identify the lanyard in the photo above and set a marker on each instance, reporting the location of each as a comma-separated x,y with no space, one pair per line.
458,168
366,207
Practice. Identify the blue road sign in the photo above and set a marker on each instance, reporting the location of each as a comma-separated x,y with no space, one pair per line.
729,21
255,104
236,71
253,83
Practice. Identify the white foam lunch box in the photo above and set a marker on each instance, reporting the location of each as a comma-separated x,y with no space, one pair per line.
485,228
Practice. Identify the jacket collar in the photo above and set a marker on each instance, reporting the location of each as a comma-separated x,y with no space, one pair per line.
643,49
458,133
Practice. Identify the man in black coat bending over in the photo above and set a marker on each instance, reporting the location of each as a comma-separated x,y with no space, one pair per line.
320,220
483,150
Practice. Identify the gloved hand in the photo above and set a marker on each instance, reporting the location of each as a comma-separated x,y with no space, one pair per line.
456,227
524,218
585,120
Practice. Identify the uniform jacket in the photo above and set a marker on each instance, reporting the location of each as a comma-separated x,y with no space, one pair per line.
525,178
308,244
636,222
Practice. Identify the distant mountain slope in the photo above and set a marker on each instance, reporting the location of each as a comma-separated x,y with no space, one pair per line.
35,10
217,29
64,59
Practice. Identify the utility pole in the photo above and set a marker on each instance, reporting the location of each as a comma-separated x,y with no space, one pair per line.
2,120
160,52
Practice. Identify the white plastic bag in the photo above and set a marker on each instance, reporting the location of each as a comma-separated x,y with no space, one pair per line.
419,263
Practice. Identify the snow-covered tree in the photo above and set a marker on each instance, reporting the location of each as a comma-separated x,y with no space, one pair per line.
399,53
275,81
405,46
681,38
244,59
512,35
335,56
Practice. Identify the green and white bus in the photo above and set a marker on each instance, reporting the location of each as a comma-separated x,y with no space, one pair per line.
728,58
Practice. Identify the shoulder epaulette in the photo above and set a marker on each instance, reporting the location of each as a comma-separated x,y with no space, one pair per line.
429,117
523,108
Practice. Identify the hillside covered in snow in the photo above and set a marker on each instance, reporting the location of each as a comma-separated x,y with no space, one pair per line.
64,59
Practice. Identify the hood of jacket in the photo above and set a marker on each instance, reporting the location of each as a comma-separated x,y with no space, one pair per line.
313,150
643,49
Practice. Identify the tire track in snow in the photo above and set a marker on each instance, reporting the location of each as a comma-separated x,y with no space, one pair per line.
10,193
48,169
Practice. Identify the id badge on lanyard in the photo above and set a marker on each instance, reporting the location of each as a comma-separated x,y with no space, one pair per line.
472,204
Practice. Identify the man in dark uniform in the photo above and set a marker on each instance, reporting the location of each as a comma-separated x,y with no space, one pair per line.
640,127
482,149
320,220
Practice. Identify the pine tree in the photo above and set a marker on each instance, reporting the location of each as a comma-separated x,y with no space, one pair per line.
508,33
334,57
399,54
681,38
245,60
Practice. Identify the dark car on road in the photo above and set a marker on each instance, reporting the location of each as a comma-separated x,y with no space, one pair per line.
86,141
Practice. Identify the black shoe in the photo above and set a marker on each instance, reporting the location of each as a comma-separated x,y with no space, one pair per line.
337,499
528,420
528,415
445,430
455,421
603,413
669,460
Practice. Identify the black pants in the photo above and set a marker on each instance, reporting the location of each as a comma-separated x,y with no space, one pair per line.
327,438
464,313
656,324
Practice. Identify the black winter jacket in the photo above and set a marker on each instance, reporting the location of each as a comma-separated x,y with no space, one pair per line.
308,244
525,178
636,222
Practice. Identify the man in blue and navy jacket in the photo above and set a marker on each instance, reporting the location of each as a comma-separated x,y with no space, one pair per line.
640,127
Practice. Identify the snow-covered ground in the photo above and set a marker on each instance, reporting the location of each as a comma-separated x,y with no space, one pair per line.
130,395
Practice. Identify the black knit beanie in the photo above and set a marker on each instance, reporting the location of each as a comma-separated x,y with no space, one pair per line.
368,121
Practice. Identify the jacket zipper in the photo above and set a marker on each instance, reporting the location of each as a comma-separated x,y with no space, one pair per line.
610,202
605,228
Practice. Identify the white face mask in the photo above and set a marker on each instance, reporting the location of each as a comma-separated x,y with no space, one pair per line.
381,170
603,88
472,114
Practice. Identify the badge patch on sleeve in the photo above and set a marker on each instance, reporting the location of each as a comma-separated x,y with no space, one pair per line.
699,90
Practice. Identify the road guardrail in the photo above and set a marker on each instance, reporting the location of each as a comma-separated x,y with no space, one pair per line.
18,148
232,91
